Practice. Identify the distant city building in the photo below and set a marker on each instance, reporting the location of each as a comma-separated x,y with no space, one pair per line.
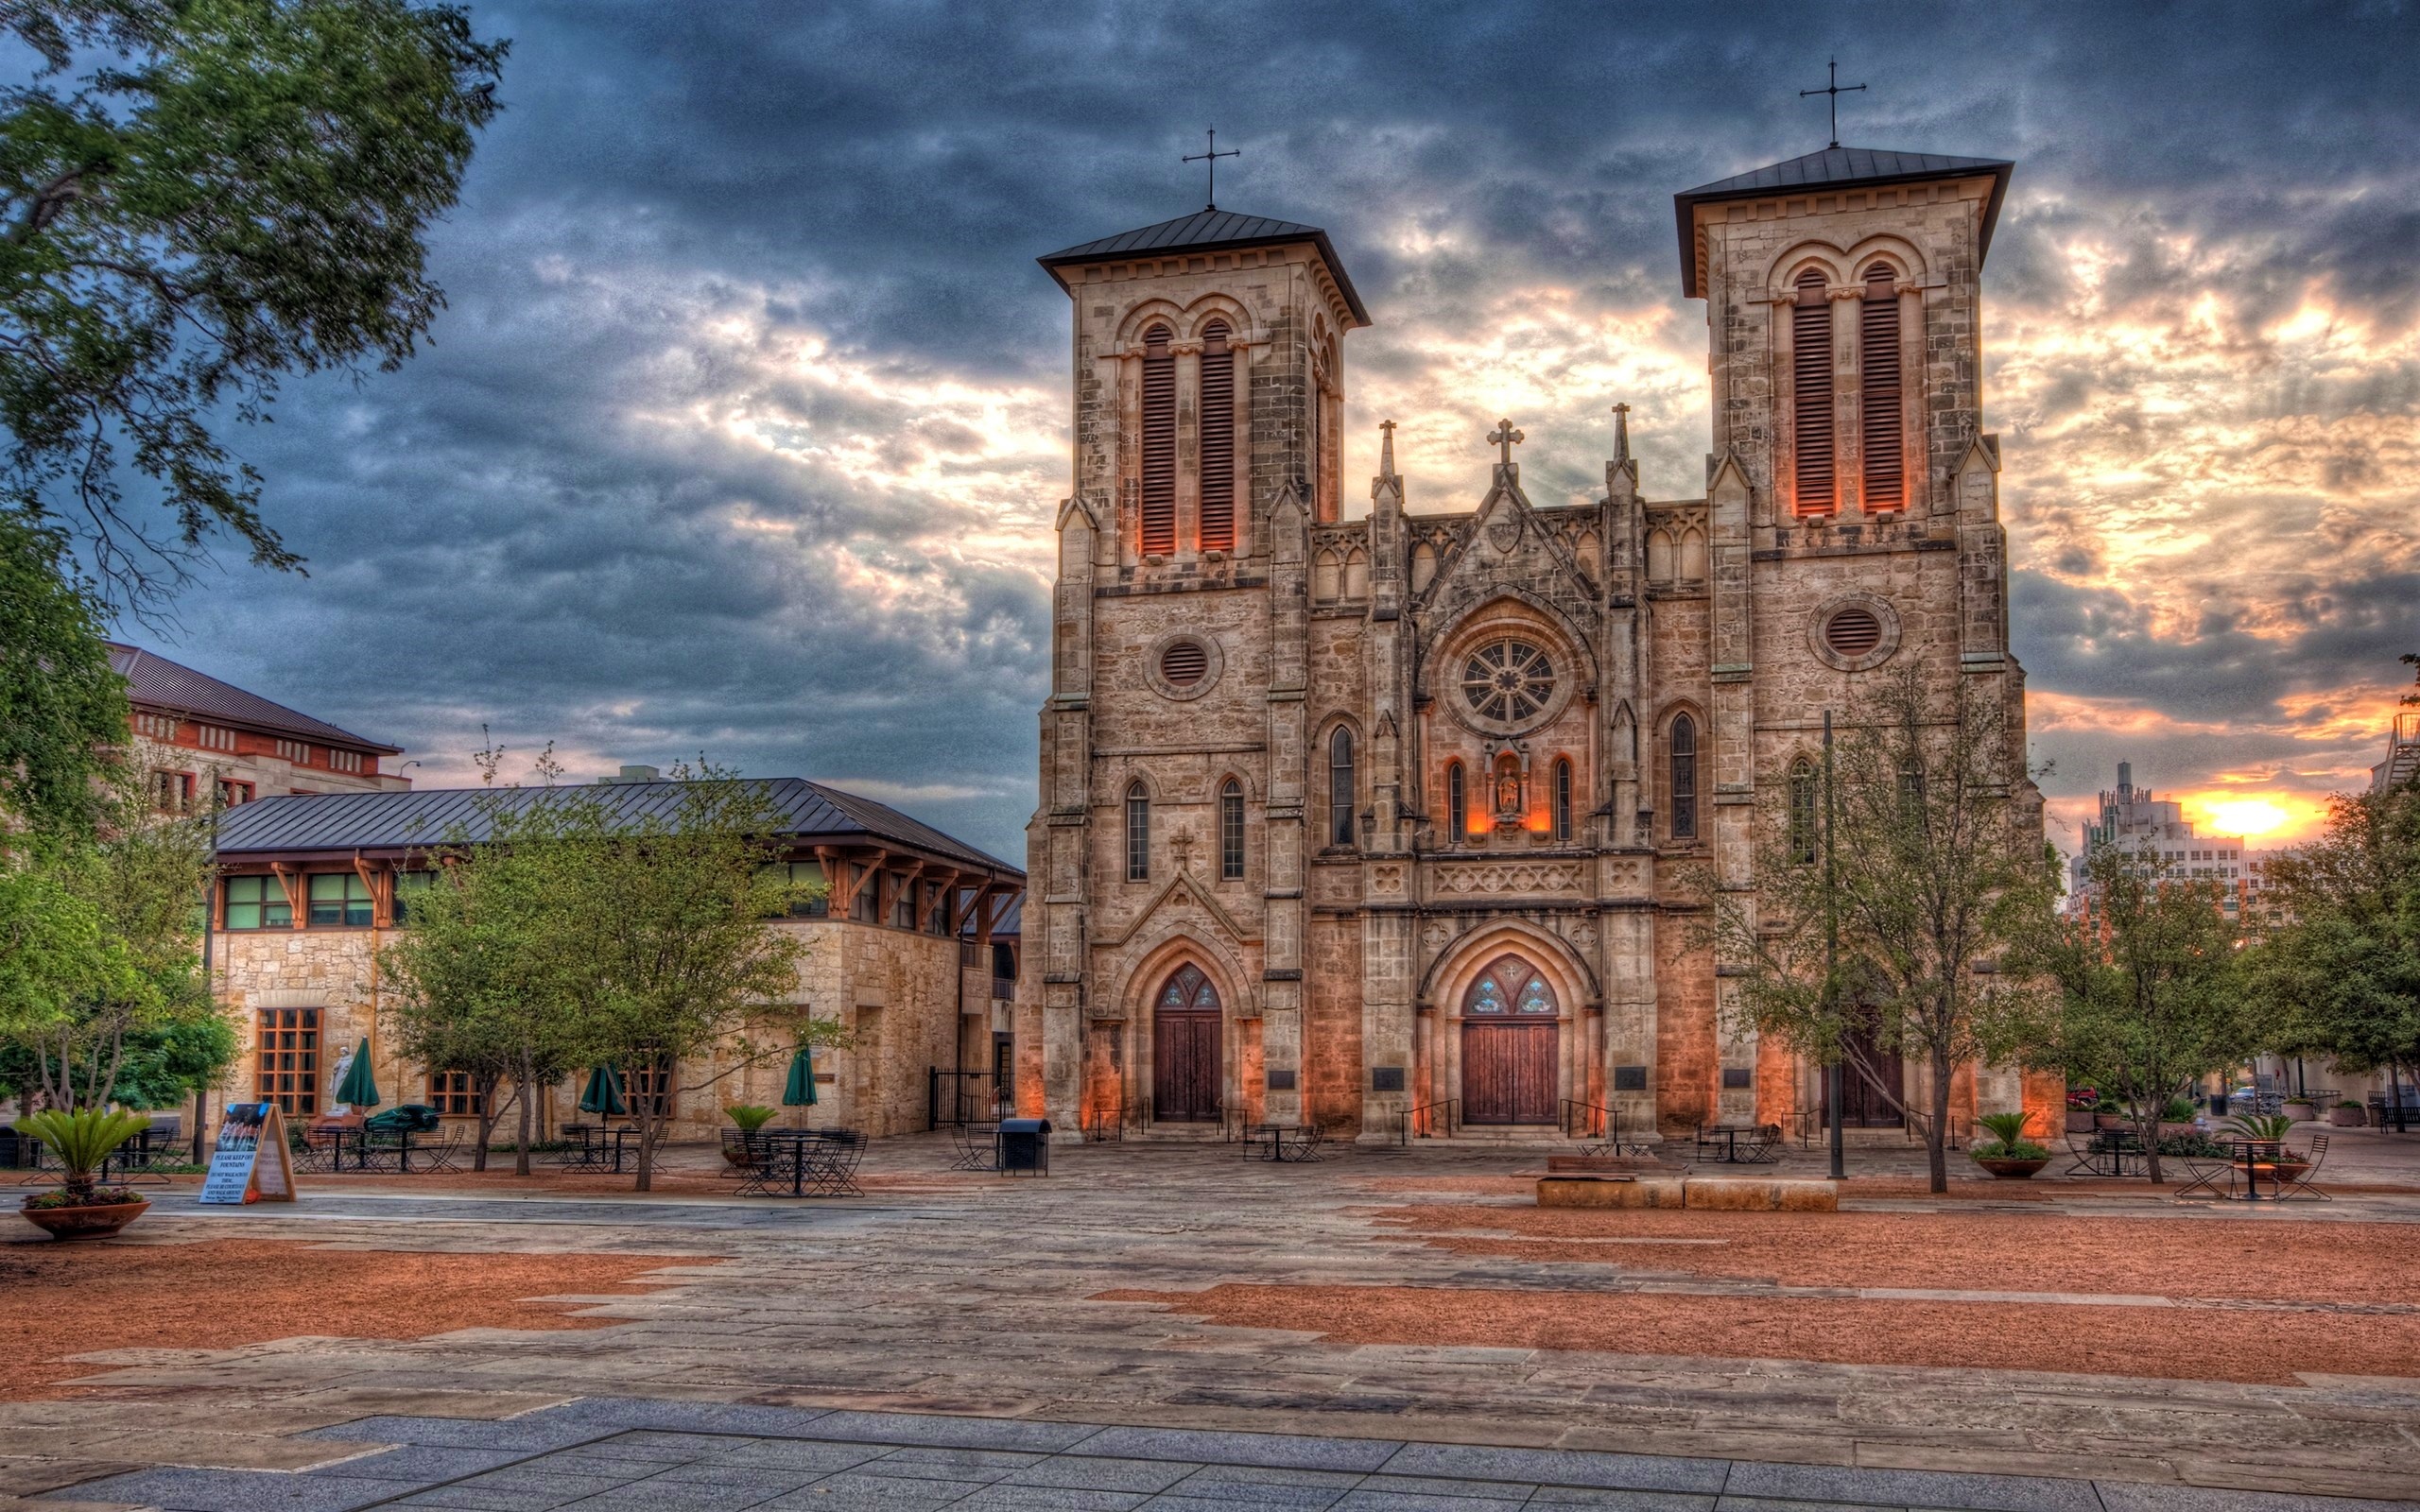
2402,754
193,733
2137,823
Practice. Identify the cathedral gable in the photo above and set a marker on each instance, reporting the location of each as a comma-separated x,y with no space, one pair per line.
1507,544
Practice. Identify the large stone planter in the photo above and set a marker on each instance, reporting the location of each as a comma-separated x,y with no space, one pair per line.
96,1222
2347,1117
2008,1168
2079,1121
2300,1112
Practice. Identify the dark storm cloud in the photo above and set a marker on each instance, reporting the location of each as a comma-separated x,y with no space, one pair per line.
743,430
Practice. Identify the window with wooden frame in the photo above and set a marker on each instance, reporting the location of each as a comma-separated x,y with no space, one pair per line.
866,907
1802,832
172,791
1811,362
1231,831
903,904
655,1085
231,792
1217,439
339,900
1340,787
1159,444
454,1094
1877,359
1138,834
1458,807
408,885
1685,778
286,1061
803,875
1562,799
258,903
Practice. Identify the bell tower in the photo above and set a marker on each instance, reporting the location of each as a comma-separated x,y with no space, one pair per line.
1207,398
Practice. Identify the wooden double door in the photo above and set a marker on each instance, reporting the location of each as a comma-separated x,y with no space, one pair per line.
1510,1046
1187,1075
1872,1084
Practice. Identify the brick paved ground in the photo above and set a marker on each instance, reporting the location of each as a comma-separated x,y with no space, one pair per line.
968,1296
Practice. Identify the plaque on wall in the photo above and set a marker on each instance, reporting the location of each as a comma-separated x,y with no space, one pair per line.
1735,1078
1630,1078
1385,1078
1281,1081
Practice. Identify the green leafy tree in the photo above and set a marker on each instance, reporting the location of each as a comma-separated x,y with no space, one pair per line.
1937,854
2146,995
130,897
197,198
669,914
485,984
62,710
2341,955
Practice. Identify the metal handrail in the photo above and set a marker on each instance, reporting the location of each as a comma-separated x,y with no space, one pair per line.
1424,1118
1596,1121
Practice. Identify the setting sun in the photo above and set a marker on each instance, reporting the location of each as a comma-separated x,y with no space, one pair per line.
2250,818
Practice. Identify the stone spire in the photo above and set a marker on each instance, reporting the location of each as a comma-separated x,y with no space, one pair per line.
1621,473
1386,489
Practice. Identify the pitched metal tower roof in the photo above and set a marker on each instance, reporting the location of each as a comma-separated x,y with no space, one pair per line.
1834,168
1206,231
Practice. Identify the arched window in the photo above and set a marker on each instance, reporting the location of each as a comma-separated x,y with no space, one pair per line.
1562,799
1231,831
1810,337
1685,778
1340,787
1458,806
1509,988
1802,814
1878,382
1138,834
1159,444
1217,439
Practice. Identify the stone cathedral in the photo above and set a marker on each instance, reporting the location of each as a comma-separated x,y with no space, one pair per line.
1411,820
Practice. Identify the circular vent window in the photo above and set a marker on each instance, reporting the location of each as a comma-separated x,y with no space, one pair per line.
1184,663
1852,632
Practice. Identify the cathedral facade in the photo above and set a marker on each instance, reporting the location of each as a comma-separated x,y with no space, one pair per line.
1410,823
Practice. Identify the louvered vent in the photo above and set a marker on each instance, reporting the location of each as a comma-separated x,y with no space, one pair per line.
1878,370
1852,632
1812,381
1159,444
1217,439
1184,663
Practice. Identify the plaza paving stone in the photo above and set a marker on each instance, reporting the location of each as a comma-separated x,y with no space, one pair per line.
938,1348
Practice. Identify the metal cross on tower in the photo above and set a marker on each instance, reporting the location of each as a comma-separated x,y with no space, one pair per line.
1835,89
1212,157
1504,435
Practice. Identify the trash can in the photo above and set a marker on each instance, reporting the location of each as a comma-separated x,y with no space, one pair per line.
1022,1146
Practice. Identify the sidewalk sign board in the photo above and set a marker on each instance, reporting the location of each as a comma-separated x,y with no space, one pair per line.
252,1162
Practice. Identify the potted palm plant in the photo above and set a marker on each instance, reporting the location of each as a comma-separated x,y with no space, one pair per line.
82,1207
2009,1154
2272,1128
751,1117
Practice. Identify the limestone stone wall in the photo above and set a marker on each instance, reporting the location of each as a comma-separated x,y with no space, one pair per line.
896,991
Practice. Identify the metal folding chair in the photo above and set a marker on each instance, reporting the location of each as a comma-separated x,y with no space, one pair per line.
2300,1185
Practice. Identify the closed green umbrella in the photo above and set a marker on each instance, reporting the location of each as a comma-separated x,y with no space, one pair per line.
800,1091
358,1089
604,1093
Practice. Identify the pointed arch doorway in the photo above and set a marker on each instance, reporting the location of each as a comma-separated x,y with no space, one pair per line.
1509,1035
1184,1049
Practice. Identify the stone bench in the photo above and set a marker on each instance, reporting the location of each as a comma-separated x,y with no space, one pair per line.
1598,1189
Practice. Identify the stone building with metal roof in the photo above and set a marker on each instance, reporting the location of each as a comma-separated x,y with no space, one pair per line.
900,950
197,737
1408,821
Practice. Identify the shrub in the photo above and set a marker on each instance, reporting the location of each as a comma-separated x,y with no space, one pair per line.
749,1116
82,1140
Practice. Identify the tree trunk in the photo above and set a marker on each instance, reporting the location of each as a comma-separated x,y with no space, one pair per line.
489,1113
1937,1136
200,1117
521,1089
2147,1131
646,1147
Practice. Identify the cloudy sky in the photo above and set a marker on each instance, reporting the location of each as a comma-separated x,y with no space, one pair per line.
744,430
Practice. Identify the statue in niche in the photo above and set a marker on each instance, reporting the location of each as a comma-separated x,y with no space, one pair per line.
1508,791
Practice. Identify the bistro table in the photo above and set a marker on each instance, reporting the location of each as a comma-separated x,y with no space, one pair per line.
2253,1158
1728,1134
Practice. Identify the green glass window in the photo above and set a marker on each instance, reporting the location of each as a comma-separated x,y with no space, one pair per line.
257,903
804,875
338,898
408,884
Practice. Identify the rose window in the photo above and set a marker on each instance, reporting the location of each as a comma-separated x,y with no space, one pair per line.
1507,682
